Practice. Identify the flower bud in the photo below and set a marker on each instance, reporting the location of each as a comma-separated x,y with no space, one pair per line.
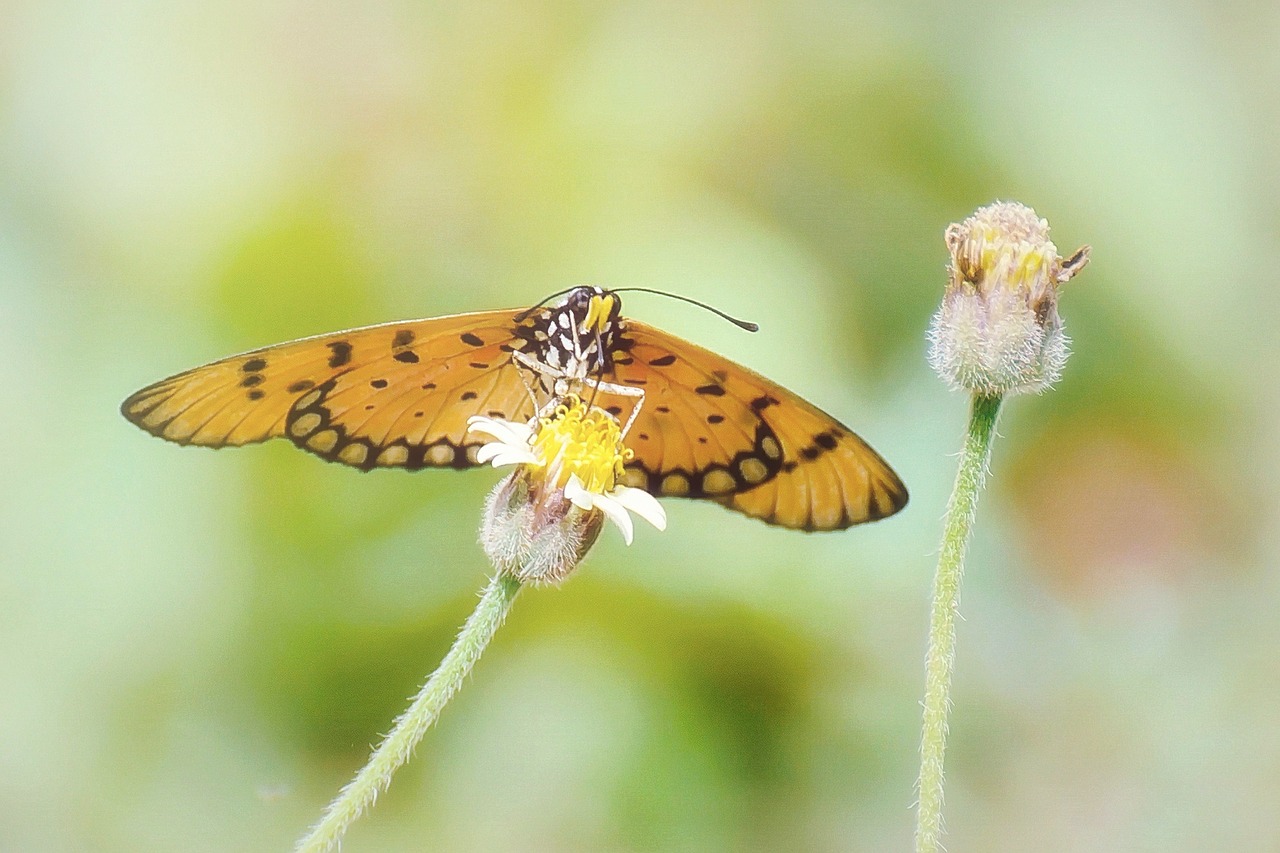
998,331
531,532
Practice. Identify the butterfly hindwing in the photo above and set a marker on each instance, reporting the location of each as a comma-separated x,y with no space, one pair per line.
397,394
400,395
711,428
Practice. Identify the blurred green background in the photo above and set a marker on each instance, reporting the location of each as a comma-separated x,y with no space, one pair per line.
197,648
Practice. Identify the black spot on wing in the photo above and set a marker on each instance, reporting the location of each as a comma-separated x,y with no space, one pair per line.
341,353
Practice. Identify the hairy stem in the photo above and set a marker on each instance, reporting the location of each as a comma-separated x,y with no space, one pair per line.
942,622
397,748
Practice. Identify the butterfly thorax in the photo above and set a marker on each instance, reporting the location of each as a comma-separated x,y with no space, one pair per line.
576,337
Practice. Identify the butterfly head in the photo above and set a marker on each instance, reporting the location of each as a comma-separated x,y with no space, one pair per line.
582,330
591,309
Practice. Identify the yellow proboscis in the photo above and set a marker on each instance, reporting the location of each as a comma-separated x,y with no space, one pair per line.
598,312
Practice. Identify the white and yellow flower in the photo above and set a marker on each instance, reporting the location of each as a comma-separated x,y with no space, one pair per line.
541,519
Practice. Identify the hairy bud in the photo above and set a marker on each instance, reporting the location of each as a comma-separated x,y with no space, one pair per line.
998,331
531,532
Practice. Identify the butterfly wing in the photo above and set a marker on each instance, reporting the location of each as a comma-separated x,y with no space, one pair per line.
396,394
711,428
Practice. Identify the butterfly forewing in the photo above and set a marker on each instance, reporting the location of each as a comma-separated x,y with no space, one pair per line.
711,428
400,394
397,394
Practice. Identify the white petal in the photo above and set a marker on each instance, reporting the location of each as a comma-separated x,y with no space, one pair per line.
494,449
642,504
488,451
507,455
578,495
479,423
617,514
507,432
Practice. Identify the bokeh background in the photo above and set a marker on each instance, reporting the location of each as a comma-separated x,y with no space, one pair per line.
197,648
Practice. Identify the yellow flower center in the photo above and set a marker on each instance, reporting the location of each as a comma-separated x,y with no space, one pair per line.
1019,265
582,441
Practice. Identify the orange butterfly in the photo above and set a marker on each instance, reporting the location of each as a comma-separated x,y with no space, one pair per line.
400,394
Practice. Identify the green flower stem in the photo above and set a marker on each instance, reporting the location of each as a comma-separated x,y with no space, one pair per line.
942,622
409,728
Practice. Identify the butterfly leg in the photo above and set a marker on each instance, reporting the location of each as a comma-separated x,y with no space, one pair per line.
622,391
528,387
562,387
559,389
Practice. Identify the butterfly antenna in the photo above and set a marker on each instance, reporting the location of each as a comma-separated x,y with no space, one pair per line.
741,324
525,313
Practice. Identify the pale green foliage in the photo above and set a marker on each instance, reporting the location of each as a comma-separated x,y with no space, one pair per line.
397,748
